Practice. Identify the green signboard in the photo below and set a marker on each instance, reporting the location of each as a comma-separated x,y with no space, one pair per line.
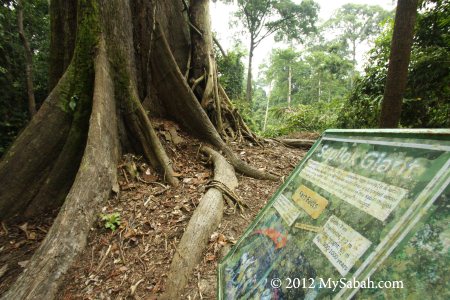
364,215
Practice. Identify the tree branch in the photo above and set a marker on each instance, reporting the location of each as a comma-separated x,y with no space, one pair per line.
216,41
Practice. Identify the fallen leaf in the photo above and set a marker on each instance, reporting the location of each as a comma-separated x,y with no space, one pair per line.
210,257
123,269
214,236
23,264
32,235
187,180
24,227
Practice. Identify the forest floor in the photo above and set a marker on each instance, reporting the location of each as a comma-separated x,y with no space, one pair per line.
133,261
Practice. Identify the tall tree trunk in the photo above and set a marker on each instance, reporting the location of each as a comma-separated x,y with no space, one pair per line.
28,60
319,93
203,61
249,89
266,114
352,72
397,76
289,86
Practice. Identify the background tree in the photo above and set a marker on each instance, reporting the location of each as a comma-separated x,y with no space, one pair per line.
319,77
397,75
28,60
284,18
13,88
356,23
426,102
231,72
283,63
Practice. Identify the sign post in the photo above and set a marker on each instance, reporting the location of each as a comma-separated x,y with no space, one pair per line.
366,212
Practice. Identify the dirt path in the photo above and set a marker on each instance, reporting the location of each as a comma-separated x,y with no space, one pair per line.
133,260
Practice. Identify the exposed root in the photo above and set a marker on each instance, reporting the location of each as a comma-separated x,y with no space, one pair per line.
238,123
54,190
159,151
202,224
228,194
34,152
93,184
244,168
178,96
296,143
196,82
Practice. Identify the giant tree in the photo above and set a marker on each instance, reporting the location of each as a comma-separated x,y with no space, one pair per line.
284,18
110,58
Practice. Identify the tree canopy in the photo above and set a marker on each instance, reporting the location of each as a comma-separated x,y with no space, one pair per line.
284,18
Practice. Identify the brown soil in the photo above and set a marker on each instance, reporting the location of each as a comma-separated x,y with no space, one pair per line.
302,135
132,261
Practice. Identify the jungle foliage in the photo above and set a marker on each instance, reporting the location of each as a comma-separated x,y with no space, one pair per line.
13,91
427,99
231,72
326,91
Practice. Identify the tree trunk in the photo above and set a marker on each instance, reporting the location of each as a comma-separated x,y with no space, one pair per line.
266,115
28,61
67,154
397,76
63,25
249,92
289,86
319,92
352,72
203,62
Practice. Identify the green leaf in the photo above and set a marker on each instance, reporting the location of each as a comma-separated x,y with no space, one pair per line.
112,221
73,102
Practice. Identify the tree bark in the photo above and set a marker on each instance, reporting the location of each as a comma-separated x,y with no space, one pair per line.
249,89
352,71
297,143
39,145
399,58
289,86
63,25
28,60
266,114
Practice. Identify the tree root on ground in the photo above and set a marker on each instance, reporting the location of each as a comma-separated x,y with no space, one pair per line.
178,96
203,223
295,143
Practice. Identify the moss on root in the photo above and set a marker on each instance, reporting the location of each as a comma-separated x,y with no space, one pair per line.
76,95
75,99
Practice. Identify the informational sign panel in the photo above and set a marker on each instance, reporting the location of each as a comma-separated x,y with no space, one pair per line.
365,215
